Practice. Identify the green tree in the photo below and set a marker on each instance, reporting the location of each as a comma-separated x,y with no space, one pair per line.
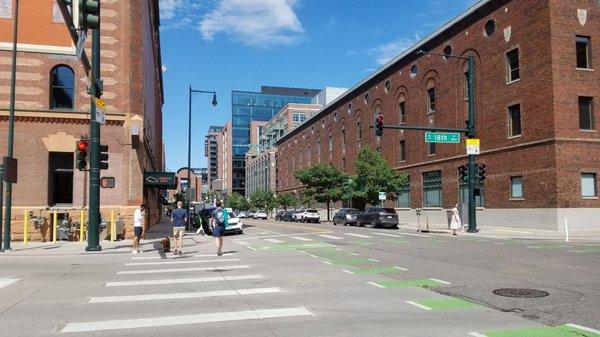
378,176
322,183
237,202
263,200
286,200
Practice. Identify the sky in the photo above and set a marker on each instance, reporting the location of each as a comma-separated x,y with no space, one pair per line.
225,45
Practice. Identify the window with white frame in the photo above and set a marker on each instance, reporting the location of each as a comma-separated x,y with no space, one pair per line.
516,187
512,65
588,185
6,9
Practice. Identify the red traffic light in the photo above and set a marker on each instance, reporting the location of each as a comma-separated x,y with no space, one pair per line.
380,119
82,145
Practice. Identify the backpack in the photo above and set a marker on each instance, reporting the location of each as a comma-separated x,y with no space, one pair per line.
222,217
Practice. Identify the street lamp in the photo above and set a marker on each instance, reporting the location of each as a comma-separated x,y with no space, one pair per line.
189,164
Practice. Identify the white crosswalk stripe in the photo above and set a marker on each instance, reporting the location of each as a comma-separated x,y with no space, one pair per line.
300,238
331,237
165,257
180,270
185,319
273,240
172,296
242,242
182,280
178,261
6,281
386,234
359,235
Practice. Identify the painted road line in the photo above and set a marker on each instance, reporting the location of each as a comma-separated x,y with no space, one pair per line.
418,305
300,238
181,270
355,254
390,235
327,262
331,237
5,282
185,320
347,271
273,240
584,328
419,235
241,242
359,235
178,261
375,284
183,280
212,255
400,268
340,249
440,281
374,260
312,255
172,296
476,334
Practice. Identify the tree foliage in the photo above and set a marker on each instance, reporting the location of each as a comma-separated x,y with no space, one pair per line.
378,176
264,200
286,200
322,183
237,202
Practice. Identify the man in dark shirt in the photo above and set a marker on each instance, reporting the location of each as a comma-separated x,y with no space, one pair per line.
178,219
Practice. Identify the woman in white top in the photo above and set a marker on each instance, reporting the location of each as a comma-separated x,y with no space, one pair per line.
138,227
456,222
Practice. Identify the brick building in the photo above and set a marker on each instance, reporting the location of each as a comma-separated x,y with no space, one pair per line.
52,108
536,95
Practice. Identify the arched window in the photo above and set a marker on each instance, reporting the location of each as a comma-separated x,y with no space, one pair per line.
62,87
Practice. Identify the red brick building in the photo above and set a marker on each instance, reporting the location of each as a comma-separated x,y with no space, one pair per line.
52,108
537,93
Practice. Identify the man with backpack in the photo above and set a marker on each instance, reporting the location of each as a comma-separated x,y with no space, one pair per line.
178,219
219,219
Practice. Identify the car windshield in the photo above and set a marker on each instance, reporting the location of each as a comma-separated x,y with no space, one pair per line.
387,210
232,215
311,210
352,211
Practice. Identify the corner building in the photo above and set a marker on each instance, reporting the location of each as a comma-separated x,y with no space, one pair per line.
52,109
536,99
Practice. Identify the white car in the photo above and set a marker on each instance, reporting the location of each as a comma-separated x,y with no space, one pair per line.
234,224
260,215
308,215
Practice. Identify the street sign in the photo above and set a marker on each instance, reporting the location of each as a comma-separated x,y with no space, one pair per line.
382,196
107,182
81,37
442,137
100,111
473,146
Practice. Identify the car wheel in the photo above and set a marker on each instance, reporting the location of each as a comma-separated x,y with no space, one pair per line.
345,223
334,223
373,224
303,220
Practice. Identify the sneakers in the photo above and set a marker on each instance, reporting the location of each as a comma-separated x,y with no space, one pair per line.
179,253
175,252
134,251
219,253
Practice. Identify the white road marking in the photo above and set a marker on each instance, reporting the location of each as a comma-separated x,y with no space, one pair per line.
179,270
577,251
354,254
419,235
400,268
212,255
241,242
419,305
440,281
300,238
167,296
178,261
331,237
312,255
273,240
477,334
374,260
5,282
183,280
513,231
358,235
327,262
186,319
375,284
338,248
386,234
347,271
584,328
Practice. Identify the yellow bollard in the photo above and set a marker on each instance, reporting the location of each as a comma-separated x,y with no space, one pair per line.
54,225
113,226
81,223
25,226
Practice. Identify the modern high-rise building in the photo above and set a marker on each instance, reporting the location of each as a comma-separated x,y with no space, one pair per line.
211,152
249,106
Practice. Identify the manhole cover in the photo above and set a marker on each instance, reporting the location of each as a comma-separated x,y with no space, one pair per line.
520,293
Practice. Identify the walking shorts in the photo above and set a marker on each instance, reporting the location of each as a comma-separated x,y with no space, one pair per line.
137,231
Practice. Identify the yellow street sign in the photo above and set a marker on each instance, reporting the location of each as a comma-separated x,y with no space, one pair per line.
473,141
100,103
472,146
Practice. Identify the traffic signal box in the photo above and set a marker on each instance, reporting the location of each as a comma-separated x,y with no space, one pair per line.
81,154
463,173
481,173
89,14
104,157
378,125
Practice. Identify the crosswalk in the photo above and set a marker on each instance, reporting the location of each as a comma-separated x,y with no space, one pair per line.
6,281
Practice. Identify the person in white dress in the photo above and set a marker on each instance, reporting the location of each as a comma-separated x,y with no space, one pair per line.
456,223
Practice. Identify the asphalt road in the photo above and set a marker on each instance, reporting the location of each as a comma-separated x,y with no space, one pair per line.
293,279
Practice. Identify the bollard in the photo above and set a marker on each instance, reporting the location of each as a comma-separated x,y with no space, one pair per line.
54,225
81,222
566,231
113,226
25,226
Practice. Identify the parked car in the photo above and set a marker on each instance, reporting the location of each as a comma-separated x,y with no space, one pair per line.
260,215
296,215
377,216
250,214
308,215
278,216
242,214
234,224
287,216
346,216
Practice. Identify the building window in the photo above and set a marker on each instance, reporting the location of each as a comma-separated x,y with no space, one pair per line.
516,187
447,52
6,9
299,117
359,130
430,100
330,143
431,149
62,87
350,108
512,65
514,120
432,189
588,185
584,55
414,70
467,85
61,178
309,153
388,86
402,110
402,150
403,199
490,28
586,113
366,98
343,136
318,148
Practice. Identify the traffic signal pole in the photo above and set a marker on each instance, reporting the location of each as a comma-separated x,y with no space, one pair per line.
472,167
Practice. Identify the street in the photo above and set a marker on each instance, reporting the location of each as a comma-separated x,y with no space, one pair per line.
296,279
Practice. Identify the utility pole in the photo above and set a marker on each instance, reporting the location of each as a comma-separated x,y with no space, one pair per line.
472,167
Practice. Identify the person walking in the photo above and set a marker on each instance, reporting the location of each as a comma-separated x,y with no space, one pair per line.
178,219
456,223
219,219
139,227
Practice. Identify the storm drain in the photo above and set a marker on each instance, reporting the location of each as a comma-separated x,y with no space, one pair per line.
520,293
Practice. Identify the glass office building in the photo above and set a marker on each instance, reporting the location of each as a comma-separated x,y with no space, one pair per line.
257,106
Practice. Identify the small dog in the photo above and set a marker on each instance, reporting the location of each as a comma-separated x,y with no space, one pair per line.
166,243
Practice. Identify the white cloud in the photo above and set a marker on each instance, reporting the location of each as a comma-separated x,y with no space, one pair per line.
387,51
168,8
261,23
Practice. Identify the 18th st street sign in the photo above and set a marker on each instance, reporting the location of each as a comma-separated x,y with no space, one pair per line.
442,137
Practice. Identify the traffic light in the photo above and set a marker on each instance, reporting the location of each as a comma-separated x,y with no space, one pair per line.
89,14
378,125
104,157
81,154
463,173
481,173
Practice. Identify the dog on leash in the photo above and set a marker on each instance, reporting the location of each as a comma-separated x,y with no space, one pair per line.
166,243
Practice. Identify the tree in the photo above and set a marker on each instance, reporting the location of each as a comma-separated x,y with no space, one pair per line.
377,175
286,199
237,202
322,182
263,200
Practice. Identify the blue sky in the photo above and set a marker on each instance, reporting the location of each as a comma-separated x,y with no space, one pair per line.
226,45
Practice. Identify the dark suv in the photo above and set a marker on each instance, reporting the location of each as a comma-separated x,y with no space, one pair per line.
377,216
346,216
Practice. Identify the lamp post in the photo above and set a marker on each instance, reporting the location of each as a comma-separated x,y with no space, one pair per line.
189,163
